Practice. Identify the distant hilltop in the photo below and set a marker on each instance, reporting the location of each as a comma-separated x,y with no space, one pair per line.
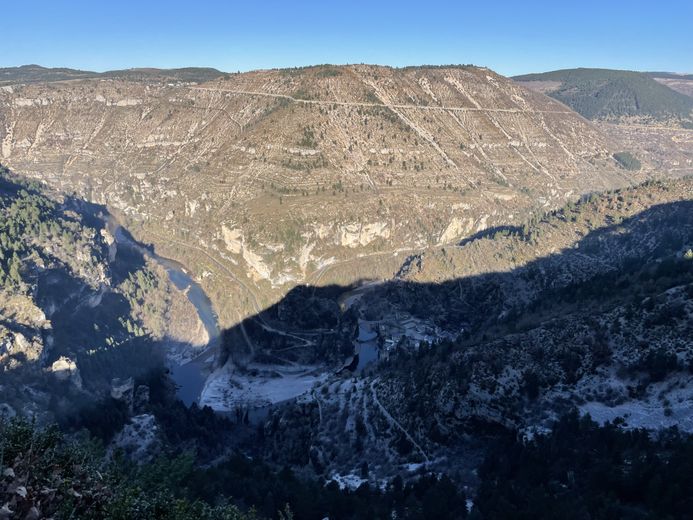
39,74
605,94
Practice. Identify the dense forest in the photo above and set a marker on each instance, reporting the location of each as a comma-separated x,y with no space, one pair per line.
578,470
608,94
582,470
45,473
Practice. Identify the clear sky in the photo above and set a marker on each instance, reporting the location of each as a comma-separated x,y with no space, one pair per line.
509,37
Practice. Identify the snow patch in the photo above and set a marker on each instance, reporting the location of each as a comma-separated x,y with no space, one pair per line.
227,388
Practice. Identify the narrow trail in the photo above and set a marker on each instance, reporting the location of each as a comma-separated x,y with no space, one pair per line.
394,422
636,126
212,109
315,276
317,400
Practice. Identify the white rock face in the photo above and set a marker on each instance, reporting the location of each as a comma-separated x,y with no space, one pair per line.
322,231
123,389
6,146
233,239
128,102
65,369
25,102
260,270
305,256
191,207
355,235
457,228
17,343
482,223
107,237
140,438
350,481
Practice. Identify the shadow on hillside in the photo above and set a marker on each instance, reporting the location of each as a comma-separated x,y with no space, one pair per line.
492,232
308,325
88,320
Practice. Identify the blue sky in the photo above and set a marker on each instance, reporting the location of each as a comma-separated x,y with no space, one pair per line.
509,37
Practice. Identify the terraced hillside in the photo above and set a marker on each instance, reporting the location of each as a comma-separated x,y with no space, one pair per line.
261,181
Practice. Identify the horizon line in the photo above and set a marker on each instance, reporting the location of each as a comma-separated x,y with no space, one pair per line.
346,64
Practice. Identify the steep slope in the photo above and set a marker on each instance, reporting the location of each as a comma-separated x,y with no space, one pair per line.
605,94
76,310
263,180
589,308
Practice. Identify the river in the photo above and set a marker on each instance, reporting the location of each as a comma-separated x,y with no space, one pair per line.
189,376
366,344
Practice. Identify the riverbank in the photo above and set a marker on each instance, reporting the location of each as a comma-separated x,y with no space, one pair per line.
190,362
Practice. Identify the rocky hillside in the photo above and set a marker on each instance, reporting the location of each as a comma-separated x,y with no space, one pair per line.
593,237
76,310
496,274
604,94
264,180
589,307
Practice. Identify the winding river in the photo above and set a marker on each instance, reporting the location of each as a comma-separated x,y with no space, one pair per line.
189,376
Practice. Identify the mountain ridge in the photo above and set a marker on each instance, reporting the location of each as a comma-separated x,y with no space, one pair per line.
38,74
329,165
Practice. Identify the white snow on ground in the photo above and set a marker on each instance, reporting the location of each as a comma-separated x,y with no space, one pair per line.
651,412
349,481
352,481
227,388
414,466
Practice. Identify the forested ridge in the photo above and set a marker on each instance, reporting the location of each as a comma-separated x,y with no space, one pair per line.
609,94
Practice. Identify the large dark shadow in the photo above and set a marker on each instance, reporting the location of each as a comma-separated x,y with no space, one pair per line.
91,326
308,325
311,325
88,318
477,324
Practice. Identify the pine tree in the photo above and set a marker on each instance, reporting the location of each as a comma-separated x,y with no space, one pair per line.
14,271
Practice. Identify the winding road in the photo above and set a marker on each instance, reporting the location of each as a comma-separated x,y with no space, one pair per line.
379,105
